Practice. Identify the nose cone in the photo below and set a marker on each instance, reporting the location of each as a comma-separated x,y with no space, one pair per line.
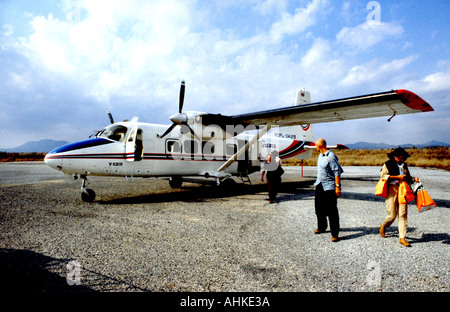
179,118
53,160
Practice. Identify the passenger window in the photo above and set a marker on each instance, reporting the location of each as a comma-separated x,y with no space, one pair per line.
231,149
208,148
190,147
173,147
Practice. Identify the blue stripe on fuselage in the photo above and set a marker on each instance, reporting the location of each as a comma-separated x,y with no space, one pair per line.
81,144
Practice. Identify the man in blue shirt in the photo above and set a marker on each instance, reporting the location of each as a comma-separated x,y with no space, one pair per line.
328,189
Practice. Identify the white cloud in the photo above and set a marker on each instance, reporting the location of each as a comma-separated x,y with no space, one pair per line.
112,46
375,72
439,81
7,30
316,54
269,6
21,82
367,35
116,48
48,45
292,24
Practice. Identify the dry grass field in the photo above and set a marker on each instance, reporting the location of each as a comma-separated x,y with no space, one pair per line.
438,158
10,157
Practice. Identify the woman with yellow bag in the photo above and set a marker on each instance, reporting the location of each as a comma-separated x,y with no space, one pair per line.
396,173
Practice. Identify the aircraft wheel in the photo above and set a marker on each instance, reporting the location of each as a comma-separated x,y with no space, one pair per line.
175,182
228,185
88,196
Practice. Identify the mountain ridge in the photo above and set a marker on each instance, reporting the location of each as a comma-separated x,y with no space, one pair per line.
41,146
367,145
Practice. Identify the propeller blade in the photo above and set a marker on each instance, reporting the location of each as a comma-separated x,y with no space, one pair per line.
185,129
179,118
193,133
111,119
168,130
180,109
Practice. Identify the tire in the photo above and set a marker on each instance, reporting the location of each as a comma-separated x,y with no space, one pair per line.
88,196
228,186
175,182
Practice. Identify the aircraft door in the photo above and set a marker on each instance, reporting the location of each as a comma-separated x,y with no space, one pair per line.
139,146
243,160
134,149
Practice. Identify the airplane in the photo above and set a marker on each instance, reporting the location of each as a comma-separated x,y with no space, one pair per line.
214,145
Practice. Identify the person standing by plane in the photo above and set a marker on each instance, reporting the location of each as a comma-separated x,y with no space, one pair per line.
274,173
328,189
395,171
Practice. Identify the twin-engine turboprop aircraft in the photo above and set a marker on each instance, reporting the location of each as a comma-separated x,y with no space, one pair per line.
214,145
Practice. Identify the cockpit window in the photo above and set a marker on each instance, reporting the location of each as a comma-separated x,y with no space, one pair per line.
114,132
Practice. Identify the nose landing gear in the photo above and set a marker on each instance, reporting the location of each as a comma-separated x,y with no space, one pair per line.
87,195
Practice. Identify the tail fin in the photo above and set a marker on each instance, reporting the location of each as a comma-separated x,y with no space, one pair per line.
302,132
302,97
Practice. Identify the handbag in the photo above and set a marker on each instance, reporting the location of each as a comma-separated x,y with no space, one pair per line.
424,201
381,188
405,194
280,170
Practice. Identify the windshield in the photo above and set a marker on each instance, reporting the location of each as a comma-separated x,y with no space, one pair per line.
114,132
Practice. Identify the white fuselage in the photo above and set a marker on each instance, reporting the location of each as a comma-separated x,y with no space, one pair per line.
132,148
135,149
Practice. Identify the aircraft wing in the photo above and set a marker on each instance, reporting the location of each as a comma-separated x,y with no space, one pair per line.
390,103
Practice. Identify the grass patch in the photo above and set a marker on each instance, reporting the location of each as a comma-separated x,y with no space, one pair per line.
11,157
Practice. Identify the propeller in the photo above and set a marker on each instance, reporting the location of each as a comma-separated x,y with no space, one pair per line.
181,118
181,102
110,117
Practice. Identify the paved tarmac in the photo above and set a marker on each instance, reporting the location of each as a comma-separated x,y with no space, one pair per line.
141,235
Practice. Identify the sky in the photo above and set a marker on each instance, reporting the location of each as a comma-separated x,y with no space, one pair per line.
64,64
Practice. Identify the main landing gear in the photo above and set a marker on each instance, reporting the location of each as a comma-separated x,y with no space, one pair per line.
87,195
175,181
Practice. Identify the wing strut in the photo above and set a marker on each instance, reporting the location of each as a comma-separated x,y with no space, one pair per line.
245,148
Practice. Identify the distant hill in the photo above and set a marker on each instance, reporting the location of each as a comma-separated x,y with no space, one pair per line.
42,146
366,145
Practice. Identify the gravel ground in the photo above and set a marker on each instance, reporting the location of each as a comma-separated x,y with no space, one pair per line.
141,235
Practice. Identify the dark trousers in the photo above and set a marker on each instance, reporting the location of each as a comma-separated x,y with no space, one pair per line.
273,185
326,206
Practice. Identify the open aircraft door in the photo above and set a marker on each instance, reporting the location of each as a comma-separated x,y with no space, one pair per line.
133,144
243,160
130,145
